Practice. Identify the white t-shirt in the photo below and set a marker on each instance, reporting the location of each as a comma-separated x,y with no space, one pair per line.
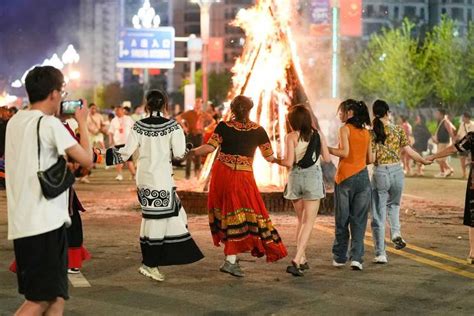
29,212
120,128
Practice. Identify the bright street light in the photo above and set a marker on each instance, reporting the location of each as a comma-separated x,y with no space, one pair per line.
146,17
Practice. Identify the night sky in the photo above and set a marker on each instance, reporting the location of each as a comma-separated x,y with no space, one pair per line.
32,30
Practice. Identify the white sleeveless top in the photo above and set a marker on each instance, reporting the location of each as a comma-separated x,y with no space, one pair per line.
300,150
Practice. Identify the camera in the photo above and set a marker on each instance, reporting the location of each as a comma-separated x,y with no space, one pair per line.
70,106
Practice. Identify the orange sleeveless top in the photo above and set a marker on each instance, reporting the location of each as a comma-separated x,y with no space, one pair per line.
356,161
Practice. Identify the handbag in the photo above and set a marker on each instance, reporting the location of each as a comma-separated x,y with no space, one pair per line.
313,151
57,178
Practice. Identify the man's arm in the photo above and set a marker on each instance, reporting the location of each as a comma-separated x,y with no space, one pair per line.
82,153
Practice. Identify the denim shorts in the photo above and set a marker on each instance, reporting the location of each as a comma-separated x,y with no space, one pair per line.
306,184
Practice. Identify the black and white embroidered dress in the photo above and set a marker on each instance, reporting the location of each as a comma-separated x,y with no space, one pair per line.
164,237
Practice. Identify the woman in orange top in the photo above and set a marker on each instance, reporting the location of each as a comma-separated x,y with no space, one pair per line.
352,192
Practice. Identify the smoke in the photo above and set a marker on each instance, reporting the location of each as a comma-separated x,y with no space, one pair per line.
314,49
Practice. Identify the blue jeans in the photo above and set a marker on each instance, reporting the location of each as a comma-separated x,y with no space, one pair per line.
388,187
352,199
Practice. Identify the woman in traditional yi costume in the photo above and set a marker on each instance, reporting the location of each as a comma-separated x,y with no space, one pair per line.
237,215
466,144
164,237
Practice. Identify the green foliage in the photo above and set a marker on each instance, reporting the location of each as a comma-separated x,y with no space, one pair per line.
447,57
398,67
432,125
393,68
219,85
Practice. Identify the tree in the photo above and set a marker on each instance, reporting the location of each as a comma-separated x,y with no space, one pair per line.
393,68
220,84
448,56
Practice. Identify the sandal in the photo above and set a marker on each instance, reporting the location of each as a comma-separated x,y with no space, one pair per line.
304,266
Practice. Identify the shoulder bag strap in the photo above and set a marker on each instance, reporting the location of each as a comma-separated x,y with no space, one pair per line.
38,140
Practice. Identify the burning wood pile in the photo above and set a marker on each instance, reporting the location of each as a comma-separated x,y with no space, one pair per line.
268,72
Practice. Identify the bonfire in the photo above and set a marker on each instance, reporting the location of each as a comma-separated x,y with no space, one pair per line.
269,72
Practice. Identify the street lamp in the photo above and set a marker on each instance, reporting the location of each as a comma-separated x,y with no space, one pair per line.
146,18
205,6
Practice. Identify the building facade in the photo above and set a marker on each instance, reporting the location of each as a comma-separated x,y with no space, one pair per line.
378,14
98,33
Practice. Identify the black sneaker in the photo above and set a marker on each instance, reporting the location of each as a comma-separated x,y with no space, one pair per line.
399,243
295,270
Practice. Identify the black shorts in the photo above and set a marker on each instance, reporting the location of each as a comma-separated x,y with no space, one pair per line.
42,265
121,146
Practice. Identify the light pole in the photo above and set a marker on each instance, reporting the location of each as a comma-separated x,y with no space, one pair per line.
335,49
205,7
146,18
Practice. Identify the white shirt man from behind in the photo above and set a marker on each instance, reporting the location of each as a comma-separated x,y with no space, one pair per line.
120,127
37,225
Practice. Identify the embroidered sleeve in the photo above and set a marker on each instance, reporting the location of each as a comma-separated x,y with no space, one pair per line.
266,149
114,156
465,143
264,143
216,138
178,143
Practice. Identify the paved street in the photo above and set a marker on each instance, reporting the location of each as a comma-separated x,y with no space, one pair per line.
430,276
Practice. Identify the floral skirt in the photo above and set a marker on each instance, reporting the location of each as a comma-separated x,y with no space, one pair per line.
238,217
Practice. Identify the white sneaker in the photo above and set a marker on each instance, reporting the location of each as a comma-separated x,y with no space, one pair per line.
337,264
440,175
119,177
152,273
73,271
380,259
356,265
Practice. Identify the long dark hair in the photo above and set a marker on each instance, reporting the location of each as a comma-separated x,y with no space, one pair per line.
361,117
300,120
240,107
380,109
156,101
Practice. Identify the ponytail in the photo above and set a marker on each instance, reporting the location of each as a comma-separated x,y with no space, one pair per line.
380,109
361,117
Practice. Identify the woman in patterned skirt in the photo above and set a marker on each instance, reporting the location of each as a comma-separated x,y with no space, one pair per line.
164,236
237,215
466,144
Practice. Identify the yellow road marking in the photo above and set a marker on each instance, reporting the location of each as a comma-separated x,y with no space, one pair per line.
419,259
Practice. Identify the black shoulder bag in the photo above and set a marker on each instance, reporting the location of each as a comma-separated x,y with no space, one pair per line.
57,178
312,153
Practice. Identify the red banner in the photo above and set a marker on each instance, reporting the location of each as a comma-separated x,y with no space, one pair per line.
351,17
216,50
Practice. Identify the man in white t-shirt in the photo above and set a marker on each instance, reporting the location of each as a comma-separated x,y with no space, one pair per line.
37,225
120,127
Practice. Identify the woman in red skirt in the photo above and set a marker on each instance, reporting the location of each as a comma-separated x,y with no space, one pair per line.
237,215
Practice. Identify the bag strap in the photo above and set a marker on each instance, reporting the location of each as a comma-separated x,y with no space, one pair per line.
38,140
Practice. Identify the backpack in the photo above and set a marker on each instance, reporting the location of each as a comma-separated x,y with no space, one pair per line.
312,153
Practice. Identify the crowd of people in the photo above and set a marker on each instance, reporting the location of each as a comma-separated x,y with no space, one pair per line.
47,232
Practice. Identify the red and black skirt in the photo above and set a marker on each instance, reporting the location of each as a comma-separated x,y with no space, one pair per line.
238,217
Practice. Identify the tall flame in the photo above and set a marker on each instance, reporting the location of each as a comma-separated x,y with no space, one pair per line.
262,73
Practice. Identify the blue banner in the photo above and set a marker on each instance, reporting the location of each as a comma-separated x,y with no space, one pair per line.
146,48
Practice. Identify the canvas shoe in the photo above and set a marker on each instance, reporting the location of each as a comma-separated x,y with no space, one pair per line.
233,269
380,259
73,271
337,264
152,273
356,265
119,177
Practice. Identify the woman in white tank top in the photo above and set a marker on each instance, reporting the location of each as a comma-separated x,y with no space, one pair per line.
305,186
